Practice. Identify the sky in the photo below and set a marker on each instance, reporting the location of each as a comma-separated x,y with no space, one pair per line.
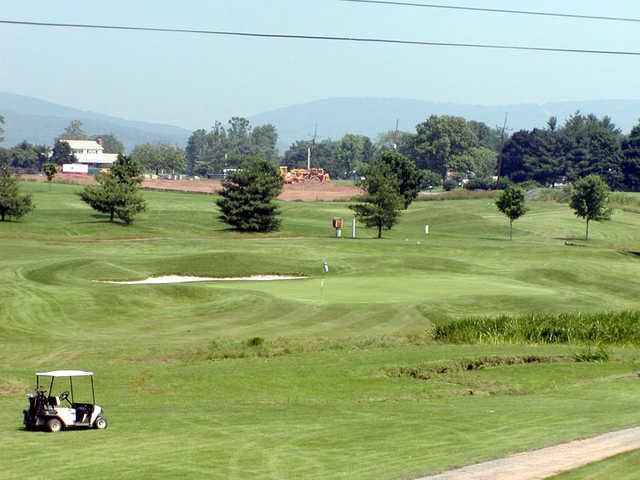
193,80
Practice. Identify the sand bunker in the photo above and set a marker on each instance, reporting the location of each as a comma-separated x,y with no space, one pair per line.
188,279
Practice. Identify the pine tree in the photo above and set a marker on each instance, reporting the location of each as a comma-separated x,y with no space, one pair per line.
246,200
117,192
12,204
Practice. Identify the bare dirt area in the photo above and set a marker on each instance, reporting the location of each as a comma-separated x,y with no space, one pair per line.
547,462
311,192
302,192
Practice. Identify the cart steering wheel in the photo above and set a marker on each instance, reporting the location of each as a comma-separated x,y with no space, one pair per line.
64,396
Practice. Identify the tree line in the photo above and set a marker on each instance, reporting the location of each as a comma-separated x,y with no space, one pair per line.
448,150
584,145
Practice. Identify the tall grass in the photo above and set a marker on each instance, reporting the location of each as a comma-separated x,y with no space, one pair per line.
615,328
457,194
625,201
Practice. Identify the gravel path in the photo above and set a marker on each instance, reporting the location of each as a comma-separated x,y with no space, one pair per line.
545,463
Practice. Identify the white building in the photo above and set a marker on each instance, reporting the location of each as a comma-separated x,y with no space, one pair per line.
90,152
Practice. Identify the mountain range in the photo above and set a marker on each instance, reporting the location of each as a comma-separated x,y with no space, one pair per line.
372,116
40,121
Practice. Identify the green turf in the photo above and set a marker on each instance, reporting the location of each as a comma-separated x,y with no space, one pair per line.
322,412
621,467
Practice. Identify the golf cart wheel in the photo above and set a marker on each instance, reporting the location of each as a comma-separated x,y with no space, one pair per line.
100,423
54,425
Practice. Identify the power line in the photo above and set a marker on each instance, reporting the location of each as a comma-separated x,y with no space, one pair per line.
319,37
498,10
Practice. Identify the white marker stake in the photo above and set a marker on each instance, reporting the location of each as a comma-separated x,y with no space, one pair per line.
426,229
353,228
338,233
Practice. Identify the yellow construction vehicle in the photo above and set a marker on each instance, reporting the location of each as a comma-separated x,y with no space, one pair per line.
304,175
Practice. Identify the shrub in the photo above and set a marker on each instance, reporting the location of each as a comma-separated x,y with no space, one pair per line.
600,355
255,342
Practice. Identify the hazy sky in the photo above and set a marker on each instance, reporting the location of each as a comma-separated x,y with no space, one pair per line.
193,80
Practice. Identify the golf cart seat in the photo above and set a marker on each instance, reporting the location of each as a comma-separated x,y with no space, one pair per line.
53,401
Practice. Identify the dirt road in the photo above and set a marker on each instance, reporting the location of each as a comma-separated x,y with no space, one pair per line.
305,192
547,462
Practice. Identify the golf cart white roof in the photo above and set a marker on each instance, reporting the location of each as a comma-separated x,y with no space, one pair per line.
64,373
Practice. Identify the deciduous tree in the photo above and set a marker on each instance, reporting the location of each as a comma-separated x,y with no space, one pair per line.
159,158
590,199
110,143
73,131
50,170
440,139
408,176
511,203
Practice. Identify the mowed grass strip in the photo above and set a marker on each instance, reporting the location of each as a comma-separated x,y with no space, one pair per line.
620,467
177,409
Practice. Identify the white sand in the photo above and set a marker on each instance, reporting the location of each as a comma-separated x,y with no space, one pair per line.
188,279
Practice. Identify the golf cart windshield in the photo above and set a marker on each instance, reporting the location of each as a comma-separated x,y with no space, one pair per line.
70,374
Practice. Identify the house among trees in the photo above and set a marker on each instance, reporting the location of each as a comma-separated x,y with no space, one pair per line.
91,152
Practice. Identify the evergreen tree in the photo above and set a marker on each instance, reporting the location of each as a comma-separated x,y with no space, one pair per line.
12,203
589,200
246,200
380,206
117,192
511,204
62,153
631,162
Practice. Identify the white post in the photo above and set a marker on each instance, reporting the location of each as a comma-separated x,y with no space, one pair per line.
353,228
308,158
426,229
338,232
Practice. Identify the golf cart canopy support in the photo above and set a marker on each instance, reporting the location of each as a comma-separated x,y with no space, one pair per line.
67,374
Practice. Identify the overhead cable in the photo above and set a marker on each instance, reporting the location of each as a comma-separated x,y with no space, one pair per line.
371,40
497,10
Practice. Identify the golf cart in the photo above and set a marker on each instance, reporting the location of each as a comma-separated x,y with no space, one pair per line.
50,412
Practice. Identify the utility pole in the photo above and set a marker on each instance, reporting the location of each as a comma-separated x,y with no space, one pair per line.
395,136
312,147
502,134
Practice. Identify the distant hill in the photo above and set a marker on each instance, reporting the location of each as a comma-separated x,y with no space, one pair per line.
371,116
39,121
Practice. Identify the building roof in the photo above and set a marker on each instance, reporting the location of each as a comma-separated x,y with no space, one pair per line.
102,159
82,144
